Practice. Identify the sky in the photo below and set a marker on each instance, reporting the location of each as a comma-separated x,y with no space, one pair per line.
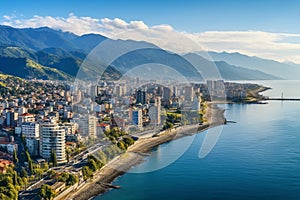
265,28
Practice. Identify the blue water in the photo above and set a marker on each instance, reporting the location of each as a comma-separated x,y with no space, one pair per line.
256,158
289,88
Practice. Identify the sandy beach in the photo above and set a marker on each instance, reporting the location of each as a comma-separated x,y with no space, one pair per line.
136,154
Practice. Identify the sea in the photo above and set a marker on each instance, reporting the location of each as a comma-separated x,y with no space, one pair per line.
258,157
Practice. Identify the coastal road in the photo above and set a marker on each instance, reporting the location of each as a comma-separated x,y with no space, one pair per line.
31,193
144,134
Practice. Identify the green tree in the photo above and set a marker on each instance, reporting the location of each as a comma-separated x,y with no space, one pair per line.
68,178
168,125
12,191
51,173
7,188
30,163
102,157
38,173
27,156
23,173
122,145
20,181
128,141
15,157
3,196
25,181
30,166
63,177
45,166
86,172
15,178
92,165
98,163
72,179
46,192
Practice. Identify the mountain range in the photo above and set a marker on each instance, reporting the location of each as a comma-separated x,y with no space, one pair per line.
284,70
45,53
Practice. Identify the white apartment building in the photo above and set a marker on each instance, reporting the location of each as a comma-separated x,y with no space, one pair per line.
30,130
52,137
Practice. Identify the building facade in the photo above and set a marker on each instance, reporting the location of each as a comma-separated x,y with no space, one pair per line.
52,138
30,130
137,117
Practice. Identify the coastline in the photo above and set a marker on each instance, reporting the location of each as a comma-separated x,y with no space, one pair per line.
254,96
136,153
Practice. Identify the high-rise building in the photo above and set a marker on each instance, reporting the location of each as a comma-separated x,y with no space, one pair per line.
216,88
159,91
137,117
92,126
189,93
175,91
155,112
52,138
141,97
94,91
197,103
120,90
87,125
166,94
11,118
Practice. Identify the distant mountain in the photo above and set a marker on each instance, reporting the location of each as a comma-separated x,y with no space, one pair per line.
88,42
44,37
227,71
283,70
185,65
53,54
154,56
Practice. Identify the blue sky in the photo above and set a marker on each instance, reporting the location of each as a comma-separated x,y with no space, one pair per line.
191,16
263,28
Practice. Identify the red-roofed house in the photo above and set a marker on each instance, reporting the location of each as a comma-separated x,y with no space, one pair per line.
103,128
4,164
26,117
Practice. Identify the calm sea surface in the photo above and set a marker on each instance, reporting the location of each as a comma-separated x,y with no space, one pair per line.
256,158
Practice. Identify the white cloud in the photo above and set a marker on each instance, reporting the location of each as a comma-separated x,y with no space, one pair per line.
6,17
277,46
138,25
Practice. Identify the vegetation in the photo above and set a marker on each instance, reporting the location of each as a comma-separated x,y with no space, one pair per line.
15,157
120,138
51,173
168,125
47,192
86,172
112,151
30,163
102,157
68,178
10,184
